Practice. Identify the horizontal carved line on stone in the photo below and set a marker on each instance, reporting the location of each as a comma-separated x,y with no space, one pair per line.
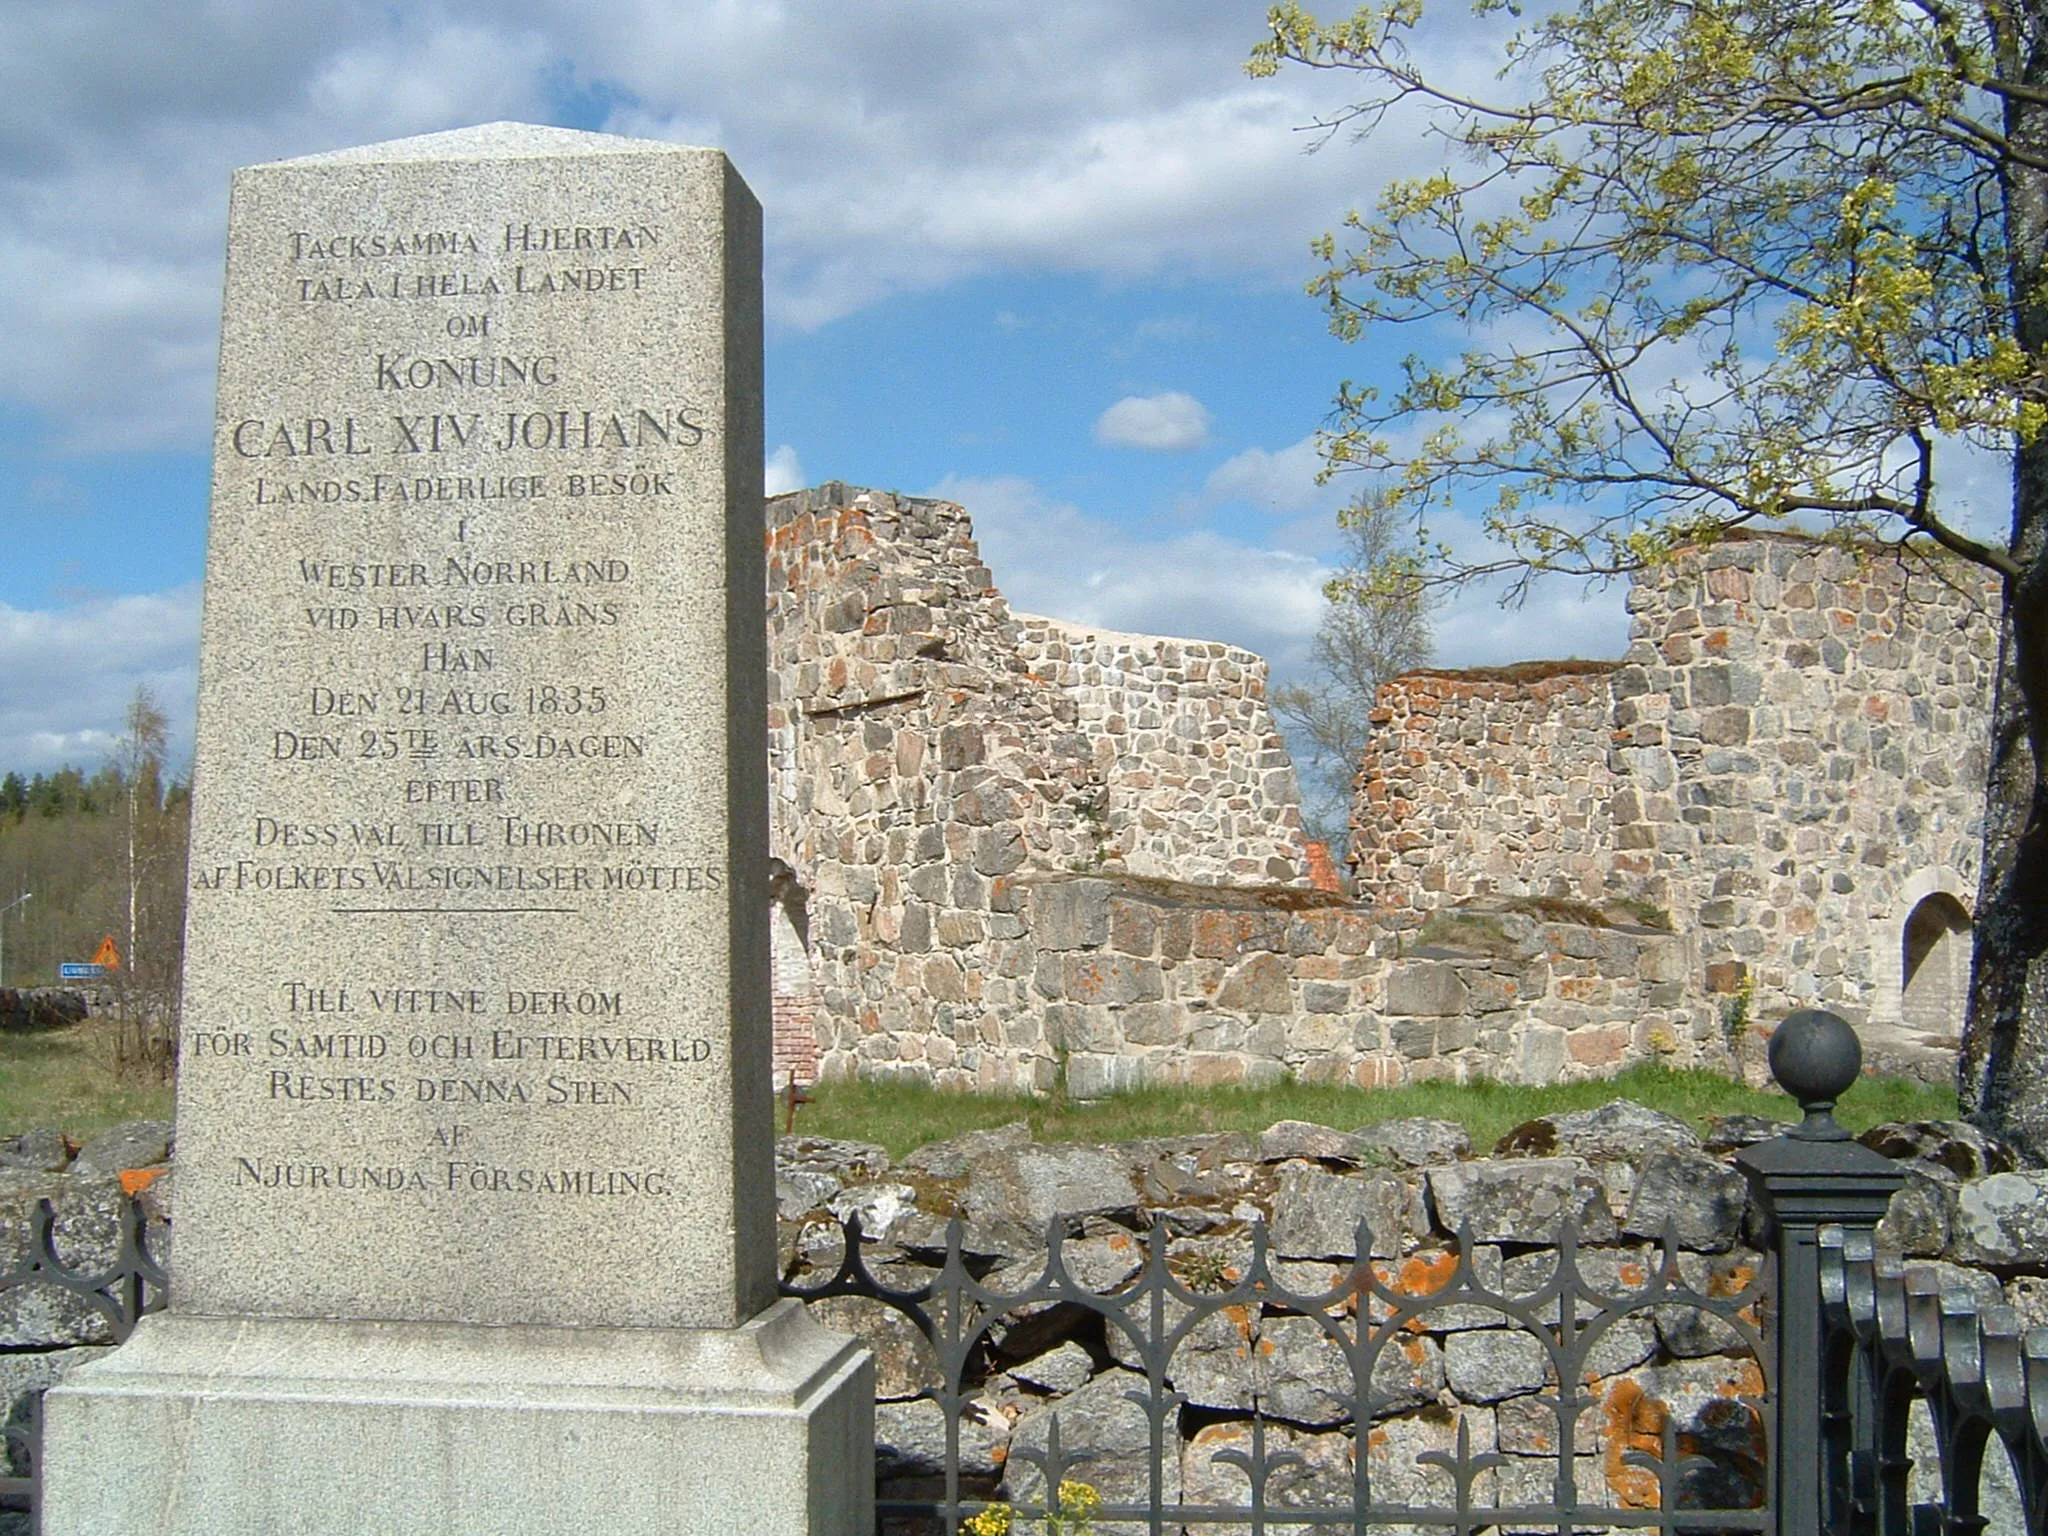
858,706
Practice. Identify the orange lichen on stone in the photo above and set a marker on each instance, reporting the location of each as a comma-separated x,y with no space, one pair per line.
1635,1422
1746,1379
1421,1274
1731,1281
135,1180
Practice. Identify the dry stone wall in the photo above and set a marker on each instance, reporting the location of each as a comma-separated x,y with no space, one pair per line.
1629,1176
1965,1216
1789,761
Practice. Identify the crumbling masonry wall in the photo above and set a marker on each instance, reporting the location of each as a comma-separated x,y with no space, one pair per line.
928,748
1487,782
1789,761
1197,780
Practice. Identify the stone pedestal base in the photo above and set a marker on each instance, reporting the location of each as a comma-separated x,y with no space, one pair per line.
207,1426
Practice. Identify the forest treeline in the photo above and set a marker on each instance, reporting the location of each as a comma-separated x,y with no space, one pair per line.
100,855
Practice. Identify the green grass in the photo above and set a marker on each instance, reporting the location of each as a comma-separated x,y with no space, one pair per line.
66,1079
901,1116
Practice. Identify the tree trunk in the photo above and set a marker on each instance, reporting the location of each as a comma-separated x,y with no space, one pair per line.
2002,1072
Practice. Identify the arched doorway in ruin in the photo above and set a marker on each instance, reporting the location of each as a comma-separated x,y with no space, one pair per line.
1934,966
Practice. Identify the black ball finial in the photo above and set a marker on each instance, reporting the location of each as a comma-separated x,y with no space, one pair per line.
1815,1056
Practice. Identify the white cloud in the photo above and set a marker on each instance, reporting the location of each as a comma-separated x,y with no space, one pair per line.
70,673
1050,557
1560,620
894,148
785,471
1171,422
125,120
1277,480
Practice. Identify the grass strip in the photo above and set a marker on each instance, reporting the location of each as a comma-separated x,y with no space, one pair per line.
901,1116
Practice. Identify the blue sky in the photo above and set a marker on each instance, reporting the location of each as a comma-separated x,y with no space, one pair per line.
1045,260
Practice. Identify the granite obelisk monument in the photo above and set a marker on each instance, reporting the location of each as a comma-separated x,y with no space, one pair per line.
474,1167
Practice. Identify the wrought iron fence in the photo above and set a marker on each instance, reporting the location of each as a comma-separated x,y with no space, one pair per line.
1705,1470
1902,1353
131,1284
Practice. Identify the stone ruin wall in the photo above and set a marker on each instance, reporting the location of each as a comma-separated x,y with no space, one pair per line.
1145,982
1201,775
1014,852
1789,761
1486,782
928,749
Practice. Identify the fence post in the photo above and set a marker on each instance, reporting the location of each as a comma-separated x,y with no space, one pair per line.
1813,1176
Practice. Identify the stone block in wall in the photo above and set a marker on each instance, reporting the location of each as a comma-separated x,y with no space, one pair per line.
1133,927
1520,1202
1316,1213
1261,984
1109,978
1310,933
1220,1070
1456,1034
1070,914
1527,1426
1224,935
1430,988
1267,1036
1029,1186
1155,1023
1418,1141
944,981
1620,1130
1316,1036
1325,997
1322,1476
1602,1045
1072,1027
961,930
1699,1199
1540,1055
967,889
1094,1075
1106,1416
1355,932
1918,1221
1413,1038
999,850
1491,992
914,930
1400,1475
1488,1364
961,746
2003,1219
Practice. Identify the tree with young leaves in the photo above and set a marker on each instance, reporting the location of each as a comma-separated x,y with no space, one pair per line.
1376,626
147,981
1691,266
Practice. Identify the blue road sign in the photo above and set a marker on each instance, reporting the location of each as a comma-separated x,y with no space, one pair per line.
72,970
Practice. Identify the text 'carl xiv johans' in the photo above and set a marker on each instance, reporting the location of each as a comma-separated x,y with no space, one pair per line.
570,430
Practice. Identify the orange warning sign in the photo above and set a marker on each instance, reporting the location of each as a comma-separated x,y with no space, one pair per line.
107,955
